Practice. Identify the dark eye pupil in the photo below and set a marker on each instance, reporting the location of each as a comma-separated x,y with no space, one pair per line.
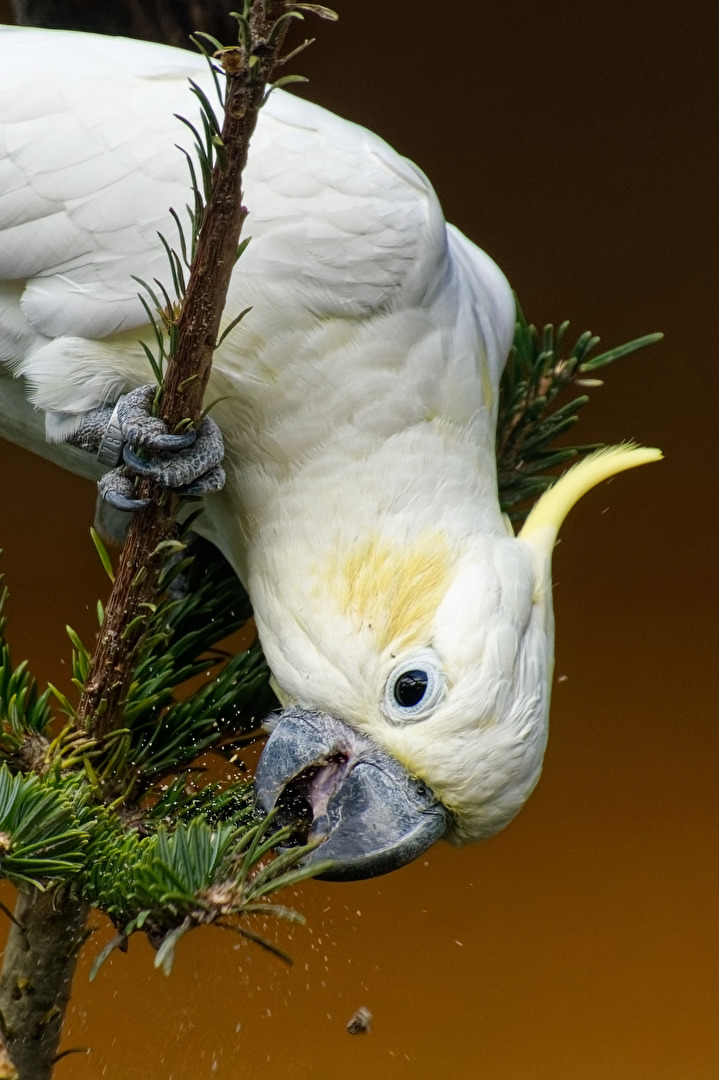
410,688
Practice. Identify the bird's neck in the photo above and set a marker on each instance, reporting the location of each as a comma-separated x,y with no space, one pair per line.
407,430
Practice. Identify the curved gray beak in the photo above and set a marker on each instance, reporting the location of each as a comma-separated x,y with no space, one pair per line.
336,786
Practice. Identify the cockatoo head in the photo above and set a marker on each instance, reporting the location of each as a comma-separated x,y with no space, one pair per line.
416,677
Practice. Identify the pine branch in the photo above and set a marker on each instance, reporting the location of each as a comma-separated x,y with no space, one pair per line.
196,874
530,424
44,829
25,714
193,332
176,802
165,858
162,734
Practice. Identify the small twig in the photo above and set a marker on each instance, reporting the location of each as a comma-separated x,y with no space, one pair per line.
11,917
257,939
72,1050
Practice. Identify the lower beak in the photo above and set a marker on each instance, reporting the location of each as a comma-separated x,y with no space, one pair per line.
335,786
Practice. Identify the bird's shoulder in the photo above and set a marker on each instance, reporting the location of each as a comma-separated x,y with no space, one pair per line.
88,170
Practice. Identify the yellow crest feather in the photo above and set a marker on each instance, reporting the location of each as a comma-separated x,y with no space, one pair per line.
546,517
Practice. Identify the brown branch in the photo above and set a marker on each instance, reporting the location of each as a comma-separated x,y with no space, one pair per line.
198,325
39,963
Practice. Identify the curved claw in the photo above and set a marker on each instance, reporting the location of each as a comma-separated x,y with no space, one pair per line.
148,467
139,465
140,428
118,489
121,502
173,442
194,470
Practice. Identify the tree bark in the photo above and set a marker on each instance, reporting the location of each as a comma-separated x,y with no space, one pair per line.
39,963
169,21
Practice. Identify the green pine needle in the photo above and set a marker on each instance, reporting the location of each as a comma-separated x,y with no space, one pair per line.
182,801
103,553
196,874
165,734
529,424
42,832
25,713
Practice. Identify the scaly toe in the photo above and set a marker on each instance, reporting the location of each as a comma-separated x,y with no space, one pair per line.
140,428
214,480
118,489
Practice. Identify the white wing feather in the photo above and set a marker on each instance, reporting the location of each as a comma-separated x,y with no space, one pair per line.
89,170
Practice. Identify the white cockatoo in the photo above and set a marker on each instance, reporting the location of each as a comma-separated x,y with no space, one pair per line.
408,630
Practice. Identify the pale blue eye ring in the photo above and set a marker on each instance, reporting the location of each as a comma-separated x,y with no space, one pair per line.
414,688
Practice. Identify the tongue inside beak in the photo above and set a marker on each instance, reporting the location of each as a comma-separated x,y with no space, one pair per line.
333,785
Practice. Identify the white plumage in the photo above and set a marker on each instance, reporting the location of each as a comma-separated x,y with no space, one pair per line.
360,397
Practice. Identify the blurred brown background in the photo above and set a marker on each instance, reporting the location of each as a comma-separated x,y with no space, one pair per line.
575,143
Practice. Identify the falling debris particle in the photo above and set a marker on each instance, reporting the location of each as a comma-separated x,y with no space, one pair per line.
361,1022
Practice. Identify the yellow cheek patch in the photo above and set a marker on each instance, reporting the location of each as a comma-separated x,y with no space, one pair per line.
395,591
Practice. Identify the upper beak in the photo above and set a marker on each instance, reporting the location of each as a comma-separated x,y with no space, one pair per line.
336,786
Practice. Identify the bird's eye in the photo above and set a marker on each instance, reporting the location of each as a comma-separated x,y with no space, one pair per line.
410,688
413,689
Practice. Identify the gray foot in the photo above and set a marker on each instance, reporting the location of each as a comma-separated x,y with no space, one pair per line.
139,428
188,464
117,487
190,470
